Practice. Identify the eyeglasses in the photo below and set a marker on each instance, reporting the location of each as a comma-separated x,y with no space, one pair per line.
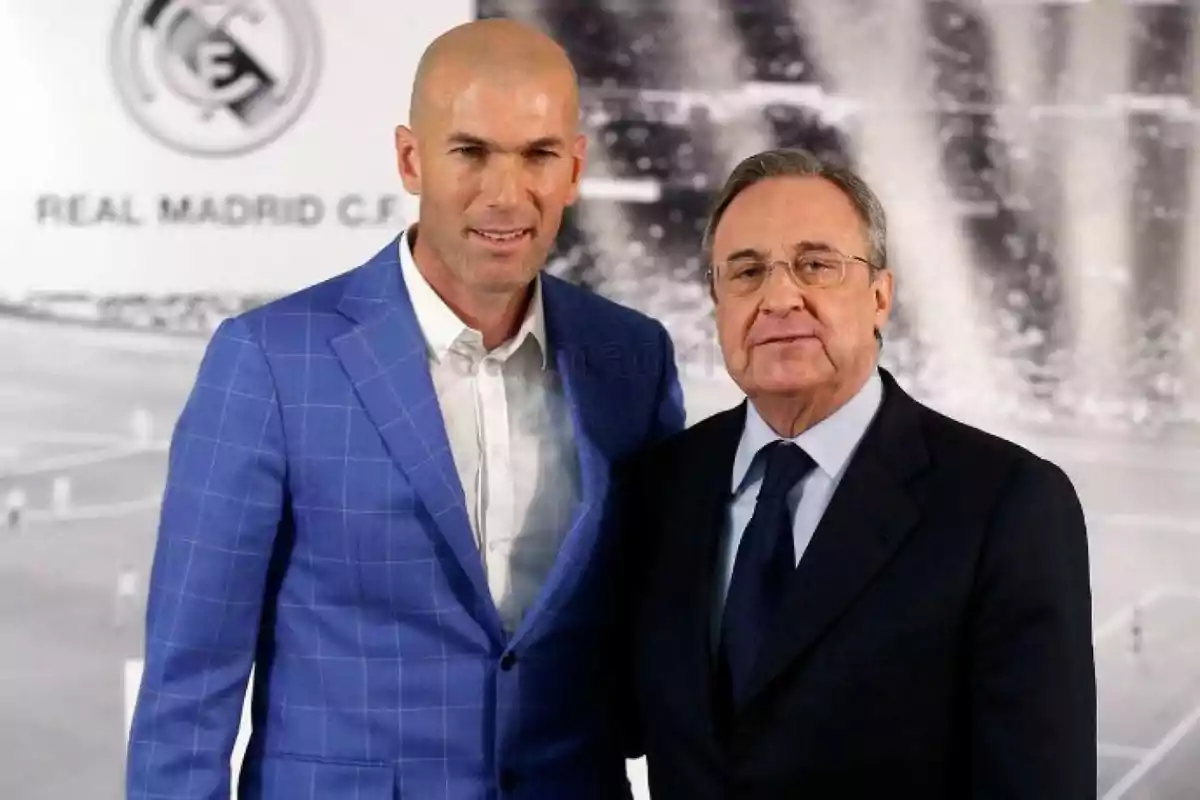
817,269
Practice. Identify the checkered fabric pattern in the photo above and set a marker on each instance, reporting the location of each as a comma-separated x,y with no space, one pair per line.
313,527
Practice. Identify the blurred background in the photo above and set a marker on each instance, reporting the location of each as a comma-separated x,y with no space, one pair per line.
1038,160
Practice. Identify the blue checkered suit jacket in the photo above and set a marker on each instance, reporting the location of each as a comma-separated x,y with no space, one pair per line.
314,526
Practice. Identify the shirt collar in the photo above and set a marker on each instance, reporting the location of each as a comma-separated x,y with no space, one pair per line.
829,443
442,327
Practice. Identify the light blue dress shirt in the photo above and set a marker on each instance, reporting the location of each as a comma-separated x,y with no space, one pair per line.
830,443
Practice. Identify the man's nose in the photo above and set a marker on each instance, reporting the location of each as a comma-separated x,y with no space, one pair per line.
502,183
780,293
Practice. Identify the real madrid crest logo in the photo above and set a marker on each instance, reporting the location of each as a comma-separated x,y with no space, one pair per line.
215,77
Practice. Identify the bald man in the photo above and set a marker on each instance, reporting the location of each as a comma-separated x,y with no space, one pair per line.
385,491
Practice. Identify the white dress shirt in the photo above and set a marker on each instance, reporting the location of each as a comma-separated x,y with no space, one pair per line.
511,436
830,443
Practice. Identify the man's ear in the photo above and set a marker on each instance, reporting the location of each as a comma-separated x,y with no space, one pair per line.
578,156
882,288
408,159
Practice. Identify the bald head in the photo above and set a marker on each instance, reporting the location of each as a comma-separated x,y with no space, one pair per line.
500,51
494,151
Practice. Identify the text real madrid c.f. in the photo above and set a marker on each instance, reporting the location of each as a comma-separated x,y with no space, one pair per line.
222,211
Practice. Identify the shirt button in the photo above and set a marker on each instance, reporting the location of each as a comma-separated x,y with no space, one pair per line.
508,661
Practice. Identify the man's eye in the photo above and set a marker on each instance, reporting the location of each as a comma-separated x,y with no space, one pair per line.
748,272
470,151
819,265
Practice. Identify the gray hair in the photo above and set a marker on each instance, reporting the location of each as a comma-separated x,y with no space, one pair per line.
797,163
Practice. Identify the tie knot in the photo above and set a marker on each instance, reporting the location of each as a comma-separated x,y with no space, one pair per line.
787,464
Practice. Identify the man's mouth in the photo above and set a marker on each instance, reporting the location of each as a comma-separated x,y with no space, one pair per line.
784,339
502,235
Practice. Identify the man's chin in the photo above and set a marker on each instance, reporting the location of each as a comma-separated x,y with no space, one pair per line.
788,388
790,375
504,278
526,261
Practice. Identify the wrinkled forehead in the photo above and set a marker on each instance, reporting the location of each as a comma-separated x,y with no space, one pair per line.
778,217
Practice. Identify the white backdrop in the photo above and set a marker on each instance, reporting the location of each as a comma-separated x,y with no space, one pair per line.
66,133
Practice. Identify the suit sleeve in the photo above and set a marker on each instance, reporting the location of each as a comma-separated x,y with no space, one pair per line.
1032,674
221,509
634,557
669,413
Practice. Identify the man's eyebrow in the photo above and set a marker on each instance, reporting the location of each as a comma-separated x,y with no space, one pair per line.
458,137
745,252
797,248
471,140
808,246
545,143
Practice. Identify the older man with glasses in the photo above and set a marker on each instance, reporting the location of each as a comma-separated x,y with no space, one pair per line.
849,595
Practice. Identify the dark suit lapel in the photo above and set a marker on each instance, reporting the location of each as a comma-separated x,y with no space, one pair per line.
867,520
694,515
386,359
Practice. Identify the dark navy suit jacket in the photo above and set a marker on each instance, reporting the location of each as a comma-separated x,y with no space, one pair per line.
934,643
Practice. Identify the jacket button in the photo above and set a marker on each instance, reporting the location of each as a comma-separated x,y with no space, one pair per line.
508,661
508,780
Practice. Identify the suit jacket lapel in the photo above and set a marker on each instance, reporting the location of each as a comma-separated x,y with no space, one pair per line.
385,357
867,519
694,515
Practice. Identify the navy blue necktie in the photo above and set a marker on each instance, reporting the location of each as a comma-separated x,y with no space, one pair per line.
766,557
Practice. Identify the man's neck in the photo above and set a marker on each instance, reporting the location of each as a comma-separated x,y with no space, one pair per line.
791,414
496,315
